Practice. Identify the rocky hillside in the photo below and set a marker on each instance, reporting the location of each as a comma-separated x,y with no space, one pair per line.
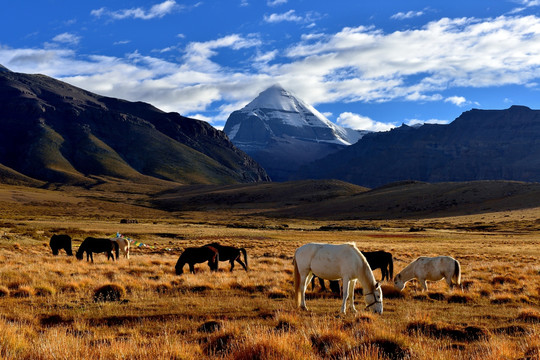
54,132
479,145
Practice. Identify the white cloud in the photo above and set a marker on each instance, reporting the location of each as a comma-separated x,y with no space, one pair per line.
287,16
67,38
456,100
416,122
156,11
359,122
276,2
355,64
407,15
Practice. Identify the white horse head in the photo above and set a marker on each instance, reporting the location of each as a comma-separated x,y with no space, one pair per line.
398,283
374,300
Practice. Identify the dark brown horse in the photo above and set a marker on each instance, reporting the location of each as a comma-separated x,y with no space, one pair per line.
59,242
92,245
231,254
381,260
196,255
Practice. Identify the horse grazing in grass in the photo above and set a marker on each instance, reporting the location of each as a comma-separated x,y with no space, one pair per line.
381,260
432,269
335,262
92,245
61,242
123,245
376,260
231,254
196,255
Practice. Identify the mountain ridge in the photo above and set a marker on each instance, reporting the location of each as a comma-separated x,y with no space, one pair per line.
478,145
55,132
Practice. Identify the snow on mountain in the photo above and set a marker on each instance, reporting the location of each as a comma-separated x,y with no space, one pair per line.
279,110
282,132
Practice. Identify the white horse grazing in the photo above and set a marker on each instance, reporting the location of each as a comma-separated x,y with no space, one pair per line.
123,245
430,268
335,262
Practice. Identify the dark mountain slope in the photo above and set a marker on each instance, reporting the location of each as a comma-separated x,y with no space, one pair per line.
55,132
479,145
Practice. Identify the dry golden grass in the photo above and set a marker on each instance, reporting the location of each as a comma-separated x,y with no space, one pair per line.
47,307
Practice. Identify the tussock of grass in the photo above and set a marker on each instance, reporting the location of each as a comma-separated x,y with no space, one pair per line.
210,326
330,344
511,330
459,299
502,299
390,292
436,295
44,291
504,279
109,292
54,320
392,349
529,316
22,292
430,329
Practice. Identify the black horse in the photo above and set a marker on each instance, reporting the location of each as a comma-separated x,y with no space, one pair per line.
231,254
334,285
196,255
92,245
61,242
381,260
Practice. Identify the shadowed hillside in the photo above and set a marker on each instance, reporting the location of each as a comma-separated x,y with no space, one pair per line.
478,145
55,132
336,200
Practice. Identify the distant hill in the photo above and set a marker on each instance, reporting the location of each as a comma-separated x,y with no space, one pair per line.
337,200
478,145
51,131
282,132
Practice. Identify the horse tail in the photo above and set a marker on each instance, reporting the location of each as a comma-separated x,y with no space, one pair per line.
296,283
116,249
391,267
245,256
457,272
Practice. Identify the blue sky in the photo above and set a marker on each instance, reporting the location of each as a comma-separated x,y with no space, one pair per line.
364,64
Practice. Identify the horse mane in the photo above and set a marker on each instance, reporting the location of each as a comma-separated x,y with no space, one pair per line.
368,273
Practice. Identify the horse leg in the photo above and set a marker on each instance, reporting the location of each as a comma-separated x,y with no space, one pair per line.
384,273
191,268
346,287
449,281
352,283
423,283
241,263
232,264
304,282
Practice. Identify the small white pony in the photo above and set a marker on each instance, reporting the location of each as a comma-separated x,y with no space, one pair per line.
123,245
335,262
432,269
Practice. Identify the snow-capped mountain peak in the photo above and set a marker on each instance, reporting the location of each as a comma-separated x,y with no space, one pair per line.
282,113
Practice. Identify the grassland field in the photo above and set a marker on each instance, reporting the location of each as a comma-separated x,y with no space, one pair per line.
47,307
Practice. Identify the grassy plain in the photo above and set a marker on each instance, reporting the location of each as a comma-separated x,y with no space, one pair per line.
47,308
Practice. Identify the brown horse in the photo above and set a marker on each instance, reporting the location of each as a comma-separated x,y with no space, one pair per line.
59,242
196,255
92,245
381,260
231,254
